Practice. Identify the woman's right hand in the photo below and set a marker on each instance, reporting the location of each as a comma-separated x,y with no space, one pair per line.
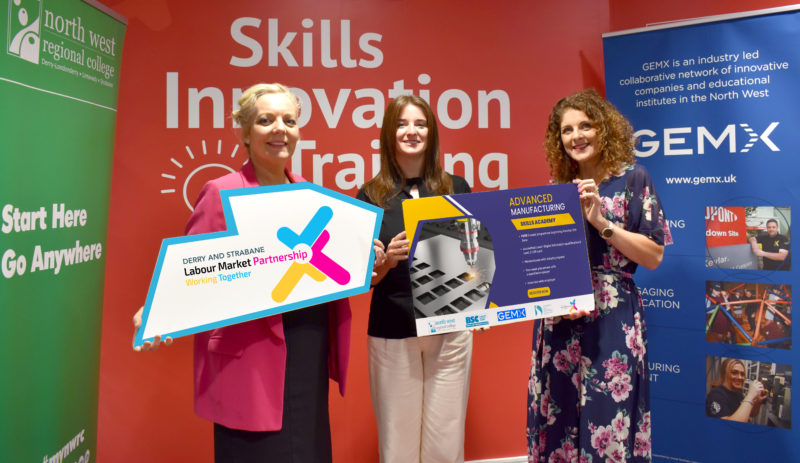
756,393
137,323
591,204
394,253
380,255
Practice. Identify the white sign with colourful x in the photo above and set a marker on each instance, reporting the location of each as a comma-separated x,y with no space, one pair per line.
286,247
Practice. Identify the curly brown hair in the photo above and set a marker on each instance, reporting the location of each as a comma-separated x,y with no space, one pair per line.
390,179
615,139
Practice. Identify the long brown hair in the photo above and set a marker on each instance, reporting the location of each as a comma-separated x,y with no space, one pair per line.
390,179
615,139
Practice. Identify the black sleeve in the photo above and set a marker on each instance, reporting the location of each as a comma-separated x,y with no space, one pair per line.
460,185
717,405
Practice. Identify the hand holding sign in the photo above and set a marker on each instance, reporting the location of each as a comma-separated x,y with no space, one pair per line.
257,267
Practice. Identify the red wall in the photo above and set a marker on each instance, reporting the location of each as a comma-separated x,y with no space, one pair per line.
535,52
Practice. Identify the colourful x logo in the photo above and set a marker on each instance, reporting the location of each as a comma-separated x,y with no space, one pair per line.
319,266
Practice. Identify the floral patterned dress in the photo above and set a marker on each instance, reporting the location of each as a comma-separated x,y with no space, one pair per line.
588,395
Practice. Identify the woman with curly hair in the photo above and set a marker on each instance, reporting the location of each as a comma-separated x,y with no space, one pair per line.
588,397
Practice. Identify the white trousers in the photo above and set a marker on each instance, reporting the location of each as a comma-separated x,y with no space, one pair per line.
419,388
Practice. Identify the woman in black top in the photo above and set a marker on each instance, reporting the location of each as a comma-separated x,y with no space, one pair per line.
727,401
419,386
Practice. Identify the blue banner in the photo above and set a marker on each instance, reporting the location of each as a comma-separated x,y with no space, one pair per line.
714,104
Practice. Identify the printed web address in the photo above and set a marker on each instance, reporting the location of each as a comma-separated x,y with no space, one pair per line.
730,178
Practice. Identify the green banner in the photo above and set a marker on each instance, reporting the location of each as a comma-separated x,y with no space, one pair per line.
59,78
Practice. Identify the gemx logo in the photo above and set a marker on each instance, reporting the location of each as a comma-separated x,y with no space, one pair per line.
311,240
683,141
476,320
720,214
512,314
23,29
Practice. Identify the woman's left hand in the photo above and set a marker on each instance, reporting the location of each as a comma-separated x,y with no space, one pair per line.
577,314
479,329
380,255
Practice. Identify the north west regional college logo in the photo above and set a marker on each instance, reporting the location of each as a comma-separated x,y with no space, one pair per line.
310,242
23,29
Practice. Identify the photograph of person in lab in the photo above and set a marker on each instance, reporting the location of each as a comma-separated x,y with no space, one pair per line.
748,391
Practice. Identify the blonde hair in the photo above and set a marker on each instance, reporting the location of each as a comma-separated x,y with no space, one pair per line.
247,105
726,366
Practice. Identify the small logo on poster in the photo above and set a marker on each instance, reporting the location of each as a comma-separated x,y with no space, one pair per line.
23,29
715,408
512,314
444,325
476,320
311,241
573,307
